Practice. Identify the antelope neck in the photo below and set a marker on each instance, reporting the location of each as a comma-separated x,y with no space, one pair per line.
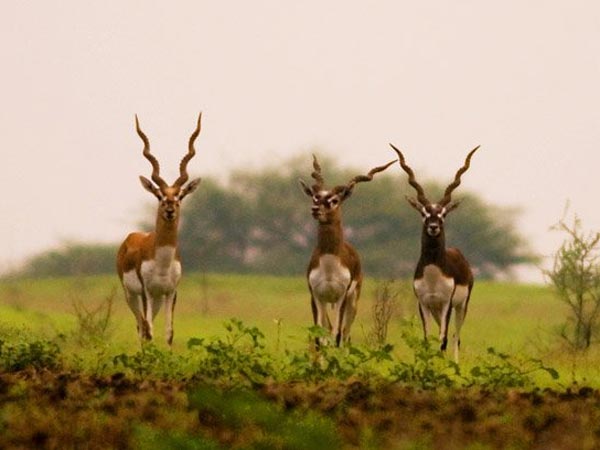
166,232
433,249
330,237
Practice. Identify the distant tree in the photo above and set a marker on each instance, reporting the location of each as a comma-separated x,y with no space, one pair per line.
71,259
215,229
281,229
260,222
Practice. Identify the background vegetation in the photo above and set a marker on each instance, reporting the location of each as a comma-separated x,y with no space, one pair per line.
259,222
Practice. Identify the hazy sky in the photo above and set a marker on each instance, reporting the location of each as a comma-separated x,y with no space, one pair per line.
276,78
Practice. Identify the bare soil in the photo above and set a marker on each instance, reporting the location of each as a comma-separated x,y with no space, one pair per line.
44,409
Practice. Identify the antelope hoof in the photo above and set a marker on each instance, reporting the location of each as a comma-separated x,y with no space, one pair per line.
146,331
444,344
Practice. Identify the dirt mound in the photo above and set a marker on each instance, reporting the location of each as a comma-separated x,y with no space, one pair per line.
43,409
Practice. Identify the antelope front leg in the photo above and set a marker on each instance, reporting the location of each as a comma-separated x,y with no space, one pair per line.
445,320
148,316
136,304
169,312
320,318
339,311
350,309
426,317
459,318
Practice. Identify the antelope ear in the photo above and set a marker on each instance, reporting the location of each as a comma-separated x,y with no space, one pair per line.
150,187
189,188
345,192
451,206
307,190
415,204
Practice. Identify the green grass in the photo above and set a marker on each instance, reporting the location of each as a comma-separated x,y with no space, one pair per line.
515,319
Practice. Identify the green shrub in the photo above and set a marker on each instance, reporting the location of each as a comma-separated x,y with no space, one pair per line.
151,361
333,362
429,368
500,370
239,359
37,354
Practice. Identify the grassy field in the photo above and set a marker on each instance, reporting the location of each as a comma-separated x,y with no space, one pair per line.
514,319
56,367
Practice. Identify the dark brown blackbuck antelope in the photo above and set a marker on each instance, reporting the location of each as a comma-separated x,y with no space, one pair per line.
334,273
148,263
443,279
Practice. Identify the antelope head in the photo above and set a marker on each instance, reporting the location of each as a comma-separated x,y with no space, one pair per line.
433,214
169,197
327,202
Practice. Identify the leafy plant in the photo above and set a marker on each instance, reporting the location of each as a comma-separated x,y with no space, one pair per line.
429,369
239,359
501,370
334,362
37,354
151,361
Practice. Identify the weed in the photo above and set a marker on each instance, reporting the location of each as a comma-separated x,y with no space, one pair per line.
334,362
429,368
384,305
94,324
500,370
239,359
151,361
37,354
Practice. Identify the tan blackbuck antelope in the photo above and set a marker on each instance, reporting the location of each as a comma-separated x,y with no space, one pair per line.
443,279
148,263
334,273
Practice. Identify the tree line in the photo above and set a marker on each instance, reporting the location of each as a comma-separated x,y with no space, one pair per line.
260,222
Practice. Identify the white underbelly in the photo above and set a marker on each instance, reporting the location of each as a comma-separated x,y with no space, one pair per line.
161,275
330,281
434,288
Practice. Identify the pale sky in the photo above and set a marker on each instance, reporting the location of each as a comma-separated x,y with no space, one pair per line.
278,78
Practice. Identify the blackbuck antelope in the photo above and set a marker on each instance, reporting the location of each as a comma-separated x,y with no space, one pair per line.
334,273
148,263
443,279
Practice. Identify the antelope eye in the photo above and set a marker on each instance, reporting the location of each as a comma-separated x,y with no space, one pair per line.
334,201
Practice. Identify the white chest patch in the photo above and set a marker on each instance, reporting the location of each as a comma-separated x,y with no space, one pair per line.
162,275
434,288
330,280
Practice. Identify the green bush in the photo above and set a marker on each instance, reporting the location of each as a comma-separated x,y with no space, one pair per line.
239,359
151,361
500,370
37,354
